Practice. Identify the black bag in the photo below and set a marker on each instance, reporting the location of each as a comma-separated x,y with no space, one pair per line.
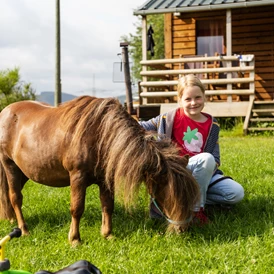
80,267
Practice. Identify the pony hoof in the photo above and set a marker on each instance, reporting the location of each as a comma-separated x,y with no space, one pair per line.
25,232
110,237
75,243
106,234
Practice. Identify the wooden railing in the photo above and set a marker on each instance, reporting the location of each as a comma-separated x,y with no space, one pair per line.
210,71
229,82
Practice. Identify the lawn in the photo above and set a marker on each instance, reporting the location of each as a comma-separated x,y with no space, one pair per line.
238,241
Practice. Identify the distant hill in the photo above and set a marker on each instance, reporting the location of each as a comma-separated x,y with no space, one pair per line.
48,97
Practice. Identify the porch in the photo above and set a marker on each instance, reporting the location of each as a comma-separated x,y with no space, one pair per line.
229,82
242,27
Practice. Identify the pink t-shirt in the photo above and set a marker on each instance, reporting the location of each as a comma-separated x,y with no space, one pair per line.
190,135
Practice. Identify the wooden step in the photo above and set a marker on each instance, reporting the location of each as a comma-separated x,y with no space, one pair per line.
262,119
263,102
260,128
263,110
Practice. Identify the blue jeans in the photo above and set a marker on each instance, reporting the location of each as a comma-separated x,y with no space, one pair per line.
226,191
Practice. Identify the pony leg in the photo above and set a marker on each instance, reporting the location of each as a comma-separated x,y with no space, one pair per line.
16,180
107,204
6,209
77,206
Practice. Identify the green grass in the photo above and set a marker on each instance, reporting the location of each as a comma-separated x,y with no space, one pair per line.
240,241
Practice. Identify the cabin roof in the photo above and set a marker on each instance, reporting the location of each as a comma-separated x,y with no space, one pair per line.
176,6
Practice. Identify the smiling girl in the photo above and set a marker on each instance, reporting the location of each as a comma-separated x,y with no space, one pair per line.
197,135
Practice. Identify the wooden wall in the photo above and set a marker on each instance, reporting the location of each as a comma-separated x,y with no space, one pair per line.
252,33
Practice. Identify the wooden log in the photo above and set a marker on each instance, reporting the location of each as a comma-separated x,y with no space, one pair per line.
204,81
207,93
188,71
186,60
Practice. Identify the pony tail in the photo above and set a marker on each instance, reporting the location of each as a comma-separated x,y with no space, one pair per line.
6,209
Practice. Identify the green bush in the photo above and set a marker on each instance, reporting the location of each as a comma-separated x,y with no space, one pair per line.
12,89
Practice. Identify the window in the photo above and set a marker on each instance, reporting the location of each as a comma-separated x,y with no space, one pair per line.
210,37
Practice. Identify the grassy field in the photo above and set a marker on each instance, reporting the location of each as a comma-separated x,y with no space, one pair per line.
239,241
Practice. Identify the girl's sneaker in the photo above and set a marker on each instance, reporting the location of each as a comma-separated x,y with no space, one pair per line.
200,218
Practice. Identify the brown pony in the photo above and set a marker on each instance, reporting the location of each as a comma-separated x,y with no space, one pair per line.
89,141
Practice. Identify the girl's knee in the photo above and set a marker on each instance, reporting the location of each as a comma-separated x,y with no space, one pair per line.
209,161
226,191
235,195
239,194
202,167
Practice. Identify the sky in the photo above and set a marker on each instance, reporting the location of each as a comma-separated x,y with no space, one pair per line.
91,33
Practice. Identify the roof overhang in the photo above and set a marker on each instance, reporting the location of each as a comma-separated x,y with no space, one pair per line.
147,9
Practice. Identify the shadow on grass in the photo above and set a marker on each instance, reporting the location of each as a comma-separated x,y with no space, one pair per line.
136,220
249,218
252,217
125,222
53,220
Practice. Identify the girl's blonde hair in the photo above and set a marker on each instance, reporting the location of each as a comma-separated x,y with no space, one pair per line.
189,80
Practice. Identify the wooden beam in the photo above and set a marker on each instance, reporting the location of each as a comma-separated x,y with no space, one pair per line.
187,71
191,59
229,47
146,112
248,114
228,32
168,35
144,51
227,109
217,109
204,81
207,93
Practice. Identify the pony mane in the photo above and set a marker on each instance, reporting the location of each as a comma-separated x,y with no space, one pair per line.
127,153
77,113
132,155
82,115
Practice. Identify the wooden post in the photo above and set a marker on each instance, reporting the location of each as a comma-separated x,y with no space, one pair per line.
229,48
168,36
125,59
144,52
57,100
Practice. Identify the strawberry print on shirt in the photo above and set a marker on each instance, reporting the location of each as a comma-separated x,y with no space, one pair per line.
193,140
190,135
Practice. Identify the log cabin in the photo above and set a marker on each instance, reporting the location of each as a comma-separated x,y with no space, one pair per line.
228,43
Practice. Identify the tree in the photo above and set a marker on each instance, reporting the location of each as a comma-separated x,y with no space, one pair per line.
12,89
135,43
